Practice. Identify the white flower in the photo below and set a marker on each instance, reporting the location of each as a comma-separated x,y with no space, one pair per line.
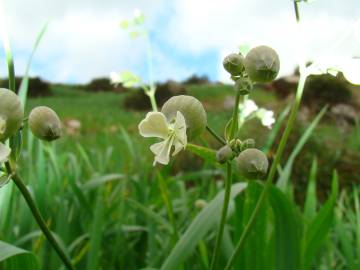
266,117
248,107
173,134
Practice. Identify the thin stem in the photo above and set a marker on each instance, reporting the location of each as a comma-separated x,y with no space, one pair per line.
279,152
216,136
36,213
234,122
297,13
233,130
151,95
219,236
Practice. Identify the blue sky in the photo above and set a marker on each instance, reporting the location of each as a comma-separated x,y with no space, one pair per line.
84,39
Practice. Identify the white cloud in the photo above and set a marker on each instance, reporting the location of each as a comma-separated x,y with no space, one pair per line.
83,39
224,25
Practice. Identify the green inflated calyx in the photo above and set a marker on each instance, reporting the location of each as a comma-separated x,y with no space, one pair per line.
252,163
11,114
45,123
234,64
192,110
262,64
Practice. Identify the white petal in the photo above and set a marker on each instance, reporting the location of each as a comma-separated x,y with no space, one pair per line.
248,107
180,128
4,152
178,147
154,125
162,151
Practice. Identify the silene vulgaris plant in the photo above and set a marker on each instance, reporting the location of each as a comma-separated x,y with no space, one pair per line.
176,125
45,125
183,118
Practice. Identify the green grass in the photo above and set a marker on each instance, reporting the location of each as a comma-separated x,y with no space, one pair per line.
111,209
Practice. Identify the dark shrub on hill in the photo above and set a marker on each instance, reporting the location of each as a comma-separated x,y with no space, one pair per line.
102,84
326,89
36,87
137,100
195,79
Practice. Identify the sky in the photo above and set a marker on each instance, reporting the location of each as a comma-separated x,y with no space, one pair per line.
84,40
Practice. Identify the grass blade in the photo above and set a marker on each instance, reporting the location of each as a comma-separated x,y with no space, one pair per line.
200,226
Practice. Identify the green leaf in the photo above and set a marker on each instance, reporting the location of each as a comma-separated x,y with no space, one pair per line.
311,199
287,231
275,130
129,79
283,180
25,81
203,152
101,180
206,220
96,235
316,232
14,258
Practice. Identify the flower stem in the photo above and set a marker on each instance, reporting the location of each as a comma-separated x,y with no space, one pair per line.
151,95
233,130
216,136
36,213
219,236
234,122
279,152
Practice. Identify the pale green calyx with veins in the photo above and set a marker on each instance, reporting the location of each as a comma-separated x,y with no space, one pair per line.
4,150
173,133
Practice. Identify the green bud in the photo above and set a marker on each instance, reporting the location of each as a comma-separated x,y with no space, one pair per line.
45,123
200,204
252,163
262,64
11,113
224,154
248,143
192,110
234,64
243,85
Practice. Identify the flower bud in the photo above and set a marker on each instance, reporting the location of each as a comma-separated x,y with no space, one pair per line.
252,163
224,154
262,64
248,143
192,110
243,85
200,204
45,123
11,113
234,64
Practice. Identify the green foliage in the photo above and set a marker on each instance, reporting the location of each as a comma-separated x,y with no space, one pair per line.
14,258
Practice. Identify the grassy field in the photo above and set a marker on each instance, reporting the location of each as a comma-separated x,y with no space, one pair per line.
111,209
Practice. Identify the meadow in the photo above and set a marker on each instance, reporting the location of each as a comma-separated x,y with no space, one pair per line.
110,209
248,175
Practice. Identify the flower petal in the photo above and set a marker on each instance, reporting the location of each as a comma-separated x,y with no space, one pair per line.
162,151
154,125
4,152
180,128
